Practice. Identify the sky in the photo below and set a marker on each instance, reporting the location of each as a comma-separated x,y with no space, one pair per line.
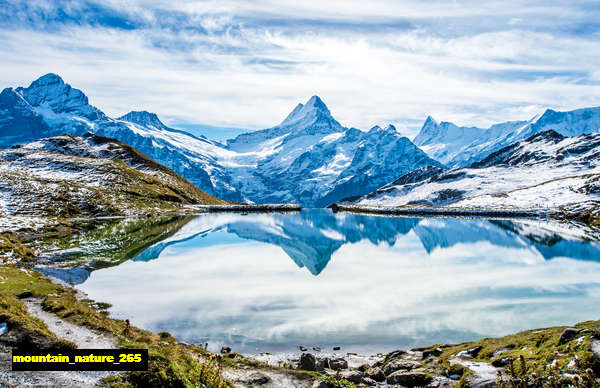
244,64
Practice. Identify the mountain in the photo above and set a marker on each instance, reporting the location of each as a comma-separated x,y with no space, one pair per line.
69,176
460,146
546,171
50,107
310,158
325,161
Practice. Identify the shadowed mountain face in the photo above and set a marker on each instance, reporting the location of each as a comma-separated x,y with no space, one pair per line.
310,238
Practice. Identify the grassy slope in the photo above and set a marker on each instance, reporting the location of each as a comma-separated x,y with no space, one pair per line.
127,183
171,364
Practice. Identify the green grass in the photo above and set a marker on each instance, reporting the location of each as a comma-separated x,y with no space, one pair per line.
171,364
11,246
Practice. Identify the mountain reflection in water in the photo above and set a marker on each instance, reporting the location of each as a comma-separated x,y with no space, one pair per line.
373,283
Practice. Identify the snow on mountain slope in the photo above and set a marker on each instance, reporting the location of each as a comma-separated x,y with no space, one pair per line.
461,146
545,171
89,175
310,158
50,107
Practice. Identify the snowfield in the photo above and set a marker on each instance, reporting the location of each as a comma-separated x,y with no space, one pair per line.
546,172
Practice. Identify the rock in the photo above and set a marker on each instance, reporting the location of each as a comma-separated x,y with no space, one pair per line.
567,335
369,382
322,363
432,352
225,350
364,367
302,348
394,354
336,348
500,363
397,365
316,348
409,379
320,384
338,363
258,379
503,349
353,376
308,362
376,374
474,352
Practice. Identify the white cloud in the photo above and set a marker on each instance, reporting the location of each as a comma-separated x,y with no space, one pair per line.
254,64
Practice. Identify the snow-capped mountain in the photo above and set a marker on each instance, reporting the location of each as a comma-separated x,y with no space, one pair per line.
49,107
460,146
325,161
310,158
90,175
546,171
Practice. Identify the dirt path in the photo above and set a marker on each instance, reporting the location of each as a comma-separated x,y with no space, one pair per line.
83,337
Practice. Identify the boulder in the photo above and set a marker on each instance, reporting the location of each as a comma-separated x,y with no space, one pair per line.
369,382
432,352
225,350
376,374
338,363
409,379
567,335
320,384
474,352
258,379
308,362
353,376
500,362
397,365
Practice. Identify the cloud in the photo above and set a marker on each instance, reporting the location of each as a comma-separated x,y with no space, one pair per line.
247,65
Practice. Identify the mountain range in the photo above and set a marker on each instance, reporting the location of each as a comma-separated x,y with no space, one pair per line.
309,158
546,171
312,159
458,146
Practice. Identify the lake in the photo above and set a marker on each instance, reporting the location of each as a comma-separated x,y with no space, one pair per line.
272,282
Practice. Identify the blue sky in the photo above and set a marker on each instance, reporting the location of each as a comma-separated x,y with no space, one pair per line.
247,64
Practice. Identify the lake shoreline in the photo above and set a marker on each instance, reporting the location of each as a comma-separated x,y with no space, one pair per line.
589,217
476,363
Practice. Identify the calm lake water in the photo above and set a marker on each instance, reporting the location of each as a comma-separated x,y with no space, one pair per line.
271,282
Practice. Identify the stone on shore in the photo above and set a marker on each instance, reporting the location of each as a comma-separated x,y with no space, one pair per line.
409,379
397,365
308,362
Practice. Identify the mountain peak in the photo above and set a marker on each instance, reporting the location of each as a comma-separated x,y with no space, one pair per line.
429,121
143,118
316,102
48,79
50,90
314,113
